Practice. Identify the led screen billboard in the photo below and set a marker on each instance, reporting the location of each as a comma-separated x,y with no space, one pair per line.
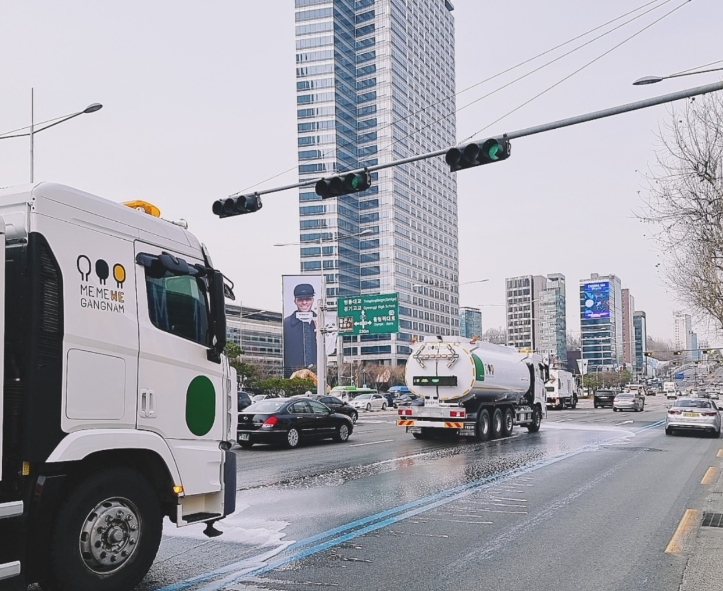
596,299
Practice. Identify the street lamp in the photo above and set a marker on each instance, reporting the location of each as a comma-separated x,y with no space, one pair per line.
92,108
655,79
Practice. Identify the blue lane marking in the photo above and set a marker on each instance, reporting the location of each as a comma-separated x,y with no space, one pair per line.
240,570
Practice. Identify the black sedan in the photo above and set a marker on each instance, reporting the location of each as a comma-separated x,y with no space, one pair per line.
337,405
604,398
290,421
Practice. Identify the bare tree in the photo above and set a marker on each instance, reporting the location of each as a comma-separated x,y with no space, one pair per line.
498,336
685,203
573,342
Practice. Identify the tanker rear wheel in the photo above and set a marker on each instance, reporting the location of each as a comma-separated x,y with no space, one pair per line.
483,425
497,424
508,422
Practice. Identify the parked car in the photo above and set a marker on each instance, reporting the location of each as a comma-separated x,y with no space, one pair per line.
370,402
634,400
697,414
349,393
714,396
337,405
244,400
259,397
603,398
291,421
408,400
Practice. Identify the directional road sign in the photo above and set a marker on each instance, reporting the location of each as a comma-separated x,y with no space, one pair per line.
368,314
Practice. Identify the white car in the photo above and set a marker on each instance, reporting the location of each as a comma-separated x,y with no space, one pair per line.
369,402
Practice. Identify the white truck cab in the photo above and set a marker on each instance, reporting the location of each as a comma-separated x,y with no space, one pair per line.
118,406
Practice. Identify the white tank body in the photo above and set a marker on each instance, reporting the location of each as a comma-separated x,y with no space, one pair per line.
492,373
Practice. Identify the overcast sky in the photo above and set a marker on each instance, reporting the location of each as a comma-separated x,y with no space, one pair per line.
199,102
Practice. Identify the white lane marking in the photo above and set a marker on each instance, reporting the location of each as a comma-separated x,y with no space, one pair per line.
507,499
372,443
624,423
454,521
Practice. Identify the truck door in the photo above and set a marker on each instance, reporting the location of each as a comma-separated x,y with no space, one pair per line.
180,392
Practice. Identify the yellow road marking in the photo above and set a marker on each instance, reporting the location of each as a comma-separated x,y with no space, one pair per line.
710,476
686,523
719,454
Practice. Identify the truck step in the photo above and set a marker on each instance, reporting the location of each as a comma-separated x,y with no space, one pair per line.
194,517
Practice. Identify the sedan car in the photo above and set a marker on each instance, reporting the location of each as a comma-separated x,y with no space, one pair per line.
370,402
407,400
290,421
697,414
629,401
603,398
244,400
337,405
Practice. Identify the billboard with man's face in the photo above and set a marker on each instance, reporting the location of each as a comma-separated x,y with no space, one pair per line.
301,294
596,299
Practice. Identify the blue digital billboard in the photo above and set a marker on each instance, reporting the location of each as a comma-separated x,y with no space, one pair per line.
596,299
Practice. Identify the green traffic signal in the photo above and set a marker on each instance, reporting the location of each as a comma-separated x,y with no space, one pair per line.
478,153
354,182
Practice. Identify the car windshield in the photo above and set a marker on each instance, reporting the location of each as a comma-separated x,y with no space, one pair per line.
270,405
692,404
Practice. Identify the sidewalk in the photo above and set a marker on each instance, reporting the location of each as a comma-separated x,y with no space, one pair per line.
704,571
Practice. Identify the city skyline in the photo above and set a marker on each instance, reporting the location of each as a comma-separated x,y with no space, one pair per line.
222,120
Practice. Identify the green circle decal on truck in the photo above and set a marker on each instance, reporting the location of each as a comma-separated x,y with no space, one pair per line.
200,405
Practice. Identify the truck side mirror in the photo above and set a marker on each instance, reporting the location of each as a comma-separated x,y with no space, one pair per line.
218,317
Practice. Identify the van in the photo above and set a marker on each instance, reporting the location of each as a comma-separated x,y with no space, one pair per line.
349,393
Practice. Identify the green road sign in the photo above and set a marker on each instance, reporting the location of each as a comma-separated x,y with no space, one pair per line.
368,314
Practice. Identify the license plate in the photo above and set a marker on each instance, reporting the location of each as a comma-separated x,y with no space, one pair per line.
690,414
243,436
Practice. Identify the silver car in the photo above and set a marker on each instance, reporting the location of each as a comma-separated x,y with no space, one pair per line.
695,414
629,401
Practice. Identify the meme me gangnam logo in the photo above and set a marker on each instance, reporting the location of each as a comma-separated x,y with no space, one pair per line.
101,296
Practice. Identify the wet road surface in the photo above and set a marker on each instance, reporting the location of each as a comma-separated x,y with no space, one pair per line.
591,501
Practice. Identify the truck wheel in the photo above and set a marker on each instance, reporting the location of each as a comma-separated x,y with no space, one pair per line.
106,534
508,422
574,402
496,425
534,426
483,425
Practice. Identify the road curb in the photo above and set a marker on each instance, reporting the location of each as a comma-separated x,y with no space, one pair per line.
704,570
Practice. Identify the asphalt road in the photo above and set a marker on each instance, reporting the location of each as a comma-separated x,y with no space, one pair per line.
590,502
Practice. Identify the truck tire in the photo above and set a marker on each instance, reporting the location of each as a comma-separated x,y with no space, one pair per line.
483,425
106,533
574,402
508,422
534,426
496,425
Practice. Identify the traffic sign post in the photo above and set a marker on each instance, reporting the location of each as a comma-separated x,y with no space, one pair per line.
368,314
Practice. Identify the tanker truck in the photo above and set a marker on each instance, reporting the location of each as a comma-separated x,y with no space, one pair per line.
473,389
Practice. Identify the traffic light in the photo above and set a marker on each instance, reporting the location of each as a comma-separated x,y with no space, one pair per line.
225,208
648,354
354,182
478,153
677,352
707,351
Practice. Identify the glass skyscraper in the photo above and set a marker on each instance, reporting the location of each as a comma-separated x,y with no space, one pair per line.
470,323
375,82
601,321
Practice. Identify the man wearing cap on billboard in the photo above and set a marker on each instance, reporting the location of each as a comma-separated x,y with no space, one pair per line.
300,330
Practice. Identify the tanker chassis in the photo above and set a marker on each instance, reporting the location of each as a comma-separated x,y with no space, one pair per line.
473,389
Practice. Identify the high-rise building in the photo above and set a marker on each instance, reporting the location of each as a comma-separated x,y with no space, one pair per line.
628,329
470,322
601,321
553,326
682,334
375,82
640,330
522,304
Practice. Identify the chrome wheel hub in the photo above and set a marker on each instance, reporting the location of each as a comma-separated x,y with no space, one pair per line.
110,535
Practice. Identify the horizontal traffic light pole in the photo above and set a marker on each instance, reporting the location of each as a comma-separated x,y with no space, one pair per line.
627,108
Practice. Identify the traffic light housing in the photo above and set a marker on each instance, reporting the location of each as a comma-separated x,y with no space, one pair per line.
677,352
225,208
478,153
648,354
707,351
354,182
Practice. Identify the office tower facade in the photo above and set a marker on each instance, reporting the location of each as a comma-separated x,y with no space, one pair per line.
682,334
522,306
375,82
640,329
470,323
628,329
553,325
258,333
601,321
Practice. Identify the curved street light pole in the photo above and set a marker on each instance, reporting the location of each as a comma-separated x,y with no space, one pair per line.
92,108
